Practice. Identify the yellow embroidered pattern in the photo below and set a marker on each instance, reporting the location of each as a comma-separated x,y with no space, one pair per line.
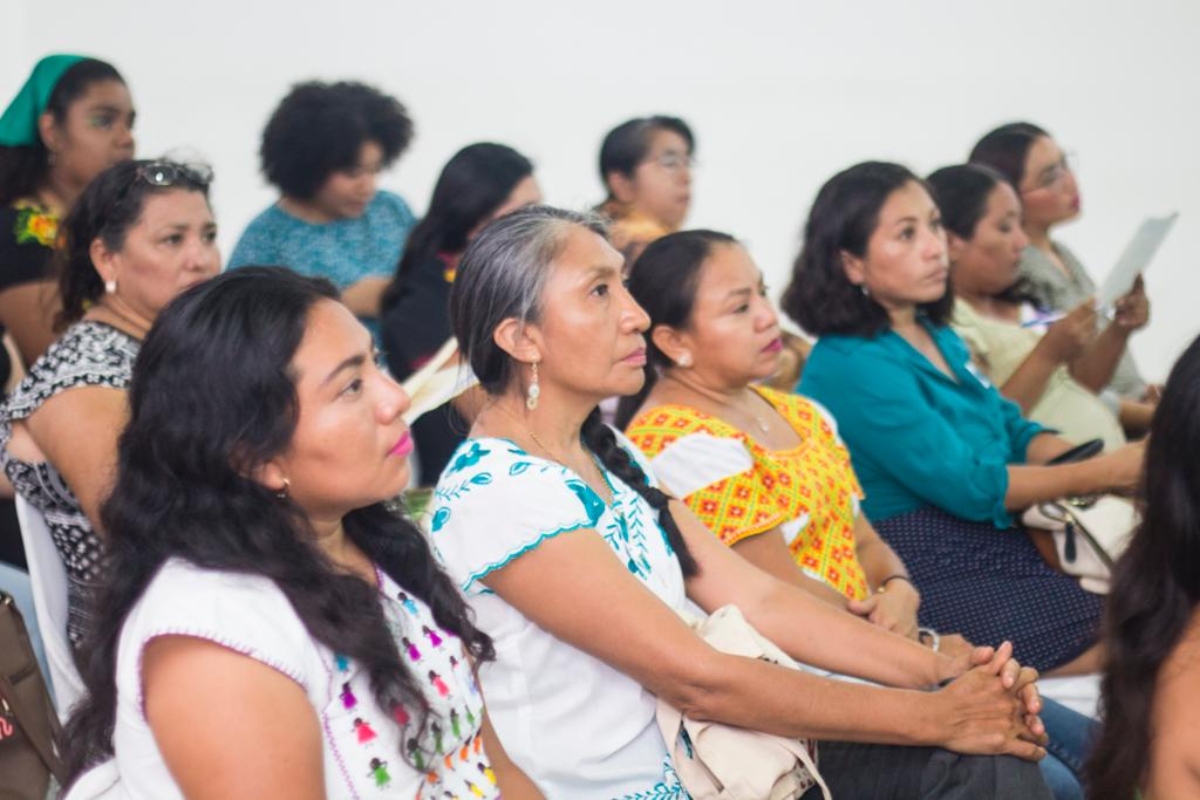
815,479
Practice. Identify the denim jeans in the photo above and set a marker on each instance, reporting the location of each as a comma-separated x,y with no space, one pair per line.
1071,735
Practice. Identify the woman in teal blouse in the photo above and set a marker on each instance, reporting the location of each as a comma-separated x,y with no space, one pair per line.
943,458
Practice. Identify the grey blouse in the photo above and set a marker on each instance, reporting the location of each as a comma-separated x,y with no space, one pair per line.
1051,290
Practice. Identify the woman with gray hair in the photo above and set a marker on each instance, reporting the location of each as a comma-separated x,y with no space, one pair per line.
576,563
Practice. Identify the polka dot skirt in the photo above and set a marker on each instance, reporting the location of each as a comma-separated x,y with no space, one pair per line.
992,585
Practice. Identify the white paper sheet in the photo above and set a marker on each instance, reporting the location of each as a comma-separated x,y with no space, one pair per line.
1137,256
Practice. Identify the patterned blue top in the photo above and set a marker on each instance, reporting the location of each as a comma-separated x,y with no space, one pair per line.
344,251
575,725
917,436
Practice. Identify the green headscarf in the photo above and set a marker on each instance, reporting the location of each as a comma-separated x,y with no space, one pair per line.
19,125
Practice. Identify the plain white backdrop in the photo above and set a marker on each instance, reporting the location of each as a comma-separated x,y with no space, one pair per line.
781,96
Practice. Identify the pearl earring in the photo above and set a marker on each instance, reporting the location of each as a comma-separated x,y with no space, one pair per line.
685,360
110,287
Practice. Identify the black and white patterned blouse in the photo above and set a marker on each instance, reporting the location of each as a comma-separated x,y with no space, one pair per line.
88,354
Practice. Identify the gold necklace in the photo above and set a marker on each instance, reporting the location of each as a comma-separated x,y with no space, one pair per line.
554,456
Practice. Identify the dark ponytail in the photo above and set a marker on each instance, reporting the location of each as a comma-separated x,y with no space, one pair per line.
600,439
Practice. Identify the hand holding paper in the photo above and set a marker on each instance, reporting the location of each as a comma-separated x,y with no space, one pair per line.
1137,256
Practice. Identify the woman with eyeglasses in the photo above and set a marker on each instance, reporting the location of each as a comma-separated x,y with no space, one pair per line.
323,148
141,233
646,168
1052,276
71,119
982,217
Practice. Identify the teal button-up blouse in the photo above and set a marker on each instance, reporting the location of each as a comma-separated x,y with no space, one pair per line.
917,436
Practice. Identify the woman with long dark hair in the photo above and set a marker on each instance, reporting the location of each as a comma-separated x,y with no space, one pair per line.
479,183
576,562
271,628
71,120
1149,704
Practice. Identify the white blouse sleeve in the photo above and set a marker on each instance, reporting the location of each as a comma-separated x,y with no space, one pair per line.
495,502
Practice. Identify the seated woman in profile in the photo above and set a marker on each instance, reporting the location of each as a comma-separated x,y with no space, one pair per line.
324,148
746,459
71,120
766,471
577,564
1052,276
273,629
140,234
982,217
1151,688
646,168
478,184
943,457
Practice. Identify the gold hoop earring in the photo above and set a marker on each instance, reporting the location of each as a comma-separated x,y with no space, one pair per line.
535,389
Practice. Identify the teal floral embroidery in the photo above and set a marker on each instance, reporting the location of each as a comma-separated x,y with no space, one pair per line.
593,506
669,788
475,452
440,517
517,467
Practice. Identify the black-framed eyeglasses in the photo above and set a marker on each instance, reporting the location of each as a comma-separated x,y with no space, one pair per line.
170,173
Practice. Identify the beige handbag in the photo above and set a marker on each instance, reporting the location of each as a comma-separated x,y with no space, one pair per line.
1090,534
723,762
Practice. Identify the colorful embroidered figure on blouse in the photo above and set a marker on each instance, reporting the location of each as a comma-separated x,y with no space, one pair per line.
439,684
470,718
413,653
379,772
343,663
475,790
434,639
478,743
348,698
400,714
487,772
436,730
365,732
414,754
455,724
408,603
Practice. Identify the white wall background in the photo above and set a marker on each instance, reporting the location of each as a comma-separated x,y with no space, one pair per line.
781,95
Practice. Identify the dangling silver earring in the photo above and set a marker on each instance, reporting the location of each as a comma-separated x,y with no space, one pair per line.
283,493
110,287
862,287
535,389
